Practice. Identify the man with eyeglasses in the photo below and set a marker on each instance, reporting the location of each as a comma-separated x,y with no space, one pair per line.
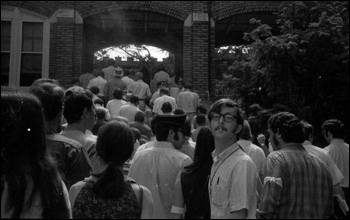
157,166
233,178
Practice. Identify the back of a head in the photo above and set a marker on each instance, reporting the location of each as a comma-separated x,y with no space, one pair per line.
94,89
51,98
139,75
134,99
288,125
205,145
111,62
188,86
308,129
179,111
246,133
201,109
139,117
136,132
118,93
201,120
76,100
115,142
164,91
45,80
162,124
22,129
335,127
166,107
101,112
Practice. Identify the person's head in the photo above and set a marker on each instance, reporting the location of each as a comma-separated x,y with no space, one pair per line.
308,131
114,146
139,117
163,91
201,120
179,111
118,93
226,120
118,72
170,128
78,106
201,110
166,108
284,128
142,104
95,90
333,129
139,75
121,119
111,62
24,156
188,86
205,145
22,128
98,102
102,113
134,100
161,85
137,133
51,98
246,131
45,80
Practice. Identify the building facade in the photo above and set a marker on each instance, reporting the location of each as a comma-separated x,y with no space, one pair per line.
57,39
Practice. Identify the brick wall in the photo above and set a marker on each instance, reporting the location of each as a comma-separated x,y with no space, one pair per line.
66,38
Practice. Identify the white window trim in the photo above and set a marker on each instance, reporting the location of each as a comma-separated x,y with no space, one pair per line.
17,16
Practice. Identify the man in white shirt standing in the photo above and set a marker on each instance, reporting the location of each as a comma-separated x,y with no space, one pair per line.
126,78
139,88
233,178
334,132
100,82
115,104
157,167
188,101
164,97
129,111
109,70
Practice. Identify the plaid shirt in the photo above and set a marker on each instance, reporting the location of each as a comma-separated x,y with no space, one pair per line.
296,185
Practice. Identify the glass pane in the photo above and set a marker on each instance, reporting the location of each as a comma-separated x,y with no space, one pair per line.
32,37
31,68
5,35
5,68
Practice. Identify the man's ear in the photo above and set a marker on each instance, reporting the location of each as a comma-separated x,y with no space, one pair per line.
239,128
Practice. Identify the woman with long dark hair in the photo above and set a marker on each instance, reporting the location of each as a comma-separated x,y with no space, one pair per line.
191,198
30,184
109,194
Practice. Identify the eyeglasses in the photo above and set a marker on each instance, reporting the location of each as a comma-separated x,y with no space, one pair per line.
227,117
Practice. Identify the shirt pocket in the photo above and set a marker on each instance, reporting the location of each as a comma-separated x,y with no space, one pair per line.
220,192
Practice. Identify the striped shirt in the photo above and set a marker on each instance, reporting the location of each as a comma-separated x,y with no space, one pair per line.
296,185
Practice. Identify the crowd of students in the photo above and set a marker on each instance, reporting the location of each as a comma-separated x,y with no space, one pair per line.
64,155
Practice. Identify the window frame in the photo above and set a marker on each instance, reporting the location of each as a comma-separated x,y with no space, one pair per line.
17,16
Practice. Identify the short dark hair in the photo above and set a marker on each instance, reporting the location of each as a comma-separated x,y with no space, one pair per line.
201,120
335,127
101,112
201,109
94,89
139,117
134,99
76,100
166,107
246,131
51,98
164,91
288,125
308,129
179,111
118,93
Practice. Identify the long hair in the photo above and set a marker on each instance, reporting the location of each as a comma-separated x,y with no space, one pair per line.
115,144
24,158
202,159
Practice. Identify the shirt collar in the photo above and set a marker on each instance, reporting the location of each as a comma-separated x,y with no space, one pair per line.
223,155
163,144
337,141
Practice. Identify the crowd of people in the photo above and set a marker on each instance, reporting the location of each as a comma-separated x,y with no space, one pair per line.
113,147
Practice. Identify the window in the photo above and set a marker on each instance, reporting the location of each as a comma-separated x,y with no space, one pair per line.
24,41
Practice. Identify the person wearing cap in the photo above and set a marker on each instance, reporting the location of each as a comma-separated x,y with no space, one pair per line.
139,88
156,167
114,83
